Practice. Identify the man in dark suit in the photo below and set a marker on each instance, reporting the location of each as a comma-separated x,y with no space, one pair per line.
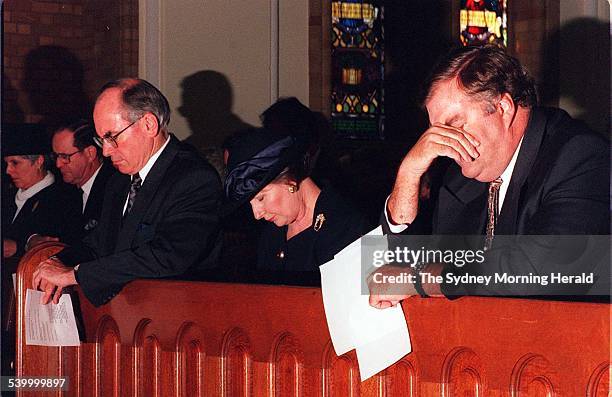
160,214
518,170
81,164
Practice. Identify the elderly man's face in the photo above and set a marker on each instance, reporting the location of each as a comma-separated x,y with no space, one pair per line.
449,105
134,146
75,169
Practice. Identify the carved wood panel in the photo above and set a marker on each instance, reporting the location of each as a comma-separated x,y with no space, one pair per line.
189,360
462,374
286,363
599,382
108,355
247,342
236,364
401,379
533,376
341,374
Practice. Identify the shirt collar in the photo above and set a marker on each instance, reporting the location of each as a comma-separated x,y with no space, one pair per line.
24,194
507,174
147,167
86,188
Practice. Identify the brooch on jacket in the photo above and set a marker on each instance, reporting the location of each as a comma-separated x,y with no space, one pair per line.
319,220
91,224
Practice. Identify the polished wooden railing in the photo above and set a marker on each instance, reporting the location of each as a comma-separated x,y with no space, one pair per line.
173,338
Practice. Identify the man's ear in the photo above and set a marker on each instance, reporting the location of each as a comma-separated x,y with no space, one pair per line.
507,108
150,124
91,152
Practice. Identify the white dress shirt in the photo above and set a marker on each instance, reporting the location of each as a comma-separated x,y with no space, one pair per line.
86,188
147,167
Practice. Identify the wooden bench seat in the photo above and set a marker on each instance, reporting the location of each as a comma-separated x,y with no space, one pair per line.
174,338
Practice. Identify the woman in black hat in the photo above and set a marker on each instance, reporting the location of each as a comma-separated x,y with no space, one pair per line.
306,225
34,204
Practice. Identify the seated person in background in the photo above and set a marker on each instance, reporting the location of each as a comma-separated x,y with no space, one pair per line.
81,164
291,116
518,169
306,225
160,215
38,205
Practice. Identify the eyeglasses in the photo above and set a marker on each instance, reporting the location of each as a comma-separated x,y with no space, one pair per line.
65,157
112,139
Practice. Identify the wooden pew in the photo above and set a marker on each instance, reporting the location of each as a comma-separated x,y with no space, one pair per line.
173,338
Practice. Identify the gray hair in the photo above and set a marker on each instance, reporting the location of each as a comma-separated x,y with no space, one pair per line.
33,157
139,97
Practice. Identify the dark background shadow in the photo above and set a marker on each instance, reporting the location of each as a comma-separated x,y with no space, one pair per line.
53,82
206,103
416,35
583,75
415,38
11,111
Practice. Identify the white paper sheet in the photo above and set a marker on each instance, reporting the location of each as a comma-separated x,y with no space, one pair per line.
380,337
51,324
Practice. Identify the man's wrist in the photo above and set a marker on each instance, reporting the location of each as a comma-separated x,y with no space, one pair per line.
394,228
418,285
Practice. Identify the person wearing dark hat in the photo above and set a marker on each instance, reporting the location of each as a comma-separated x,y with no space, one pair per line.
292,116
306,225
35,204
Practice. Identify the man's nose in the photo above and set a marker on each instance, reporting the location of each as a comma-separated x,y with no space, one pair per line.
257,212
107,149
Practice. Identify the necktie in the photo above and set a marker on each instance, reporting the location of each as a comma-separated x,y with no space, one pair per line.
134,188
83,199
492,211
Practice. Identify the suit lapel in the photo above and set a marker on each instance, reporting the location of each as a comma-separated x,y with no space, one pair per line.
146,194
96,195
532,141
466,200
29,206
11,209
119,184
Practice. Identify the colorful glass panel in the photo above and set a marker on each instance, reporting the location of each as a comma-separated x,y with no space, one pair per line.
358,69
483,21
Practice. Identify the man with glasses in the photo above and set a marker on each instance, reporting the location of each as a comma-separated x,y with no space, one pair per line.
81,164
160,214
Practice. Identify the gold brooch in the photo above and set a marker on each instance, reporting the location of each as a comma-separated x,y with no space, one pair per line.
319,222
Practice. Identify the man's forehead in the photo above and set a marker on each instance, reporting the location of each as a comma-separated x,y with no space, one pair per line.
108,102
447,100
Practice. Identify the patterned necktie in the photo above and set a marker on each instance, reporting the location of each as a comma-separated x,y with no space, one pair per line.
492,211
134,188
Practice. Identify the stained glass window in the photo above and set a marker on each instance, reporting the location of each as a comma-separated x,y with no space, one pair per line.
483,21
358,68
